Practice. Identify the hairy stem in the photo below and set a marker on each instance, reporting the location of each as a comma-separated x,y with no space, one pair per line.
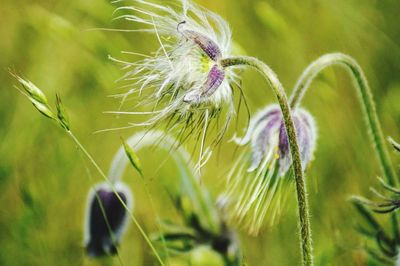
87,154
367,102
302,201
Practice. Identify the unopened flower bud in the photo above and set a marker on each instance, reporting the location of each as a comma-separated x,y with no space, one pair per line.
106,218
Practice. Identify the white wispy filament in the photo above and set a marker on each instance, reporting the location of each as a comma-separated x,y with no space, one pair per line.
183,81
259,181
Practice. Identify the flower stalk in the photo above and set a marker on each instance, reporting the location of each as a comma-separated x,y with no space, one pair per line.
366,101
181,157
111,184
204,225
39,100
301,190
368,108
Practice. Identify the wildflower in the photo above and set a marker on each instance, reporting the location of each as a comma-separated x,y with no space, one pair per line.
106,218
184,78
257,182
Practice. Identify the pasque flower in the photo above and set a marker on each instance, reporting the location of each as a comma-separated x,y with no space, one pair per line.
258,181
183,80
106,218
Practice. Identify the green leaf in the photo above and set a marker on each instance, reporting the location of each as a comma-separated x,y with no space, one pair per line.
388,187
359,203
133,158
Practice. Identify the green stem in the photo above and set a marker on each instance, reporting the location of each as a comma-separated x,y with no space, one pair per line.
367,102
302,201
103,211
108,181
140,140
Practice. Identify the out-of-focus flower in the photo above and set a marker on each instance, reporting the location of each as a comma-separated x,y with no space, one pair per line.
199,230
205,256
106,218
183,80
257,183
196,241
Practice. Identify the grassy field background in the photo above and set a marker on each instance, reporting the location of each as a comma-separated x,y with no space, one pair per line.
43,180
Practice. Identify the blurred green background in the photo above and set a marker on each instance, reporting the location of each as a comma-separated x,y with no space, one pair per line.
43,181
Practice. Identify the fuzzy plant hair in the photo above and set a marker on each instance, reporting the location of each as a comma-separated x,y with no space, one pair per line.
186,85
183,81
259,181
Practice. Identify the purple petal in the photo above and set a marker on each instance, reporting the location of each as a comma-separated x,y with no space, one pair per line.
208,46
308,145
100,240
263,140
305,131
214,80
259,118
284,152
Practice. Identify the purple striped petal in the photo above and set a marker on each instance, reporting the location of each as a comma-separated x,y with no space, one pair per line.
309,138
255,122
209,47
264,140
214,80
306,135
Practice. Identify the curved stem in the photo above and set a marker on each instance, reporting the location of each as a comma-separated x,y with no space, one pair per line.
366,101
181,157
302,201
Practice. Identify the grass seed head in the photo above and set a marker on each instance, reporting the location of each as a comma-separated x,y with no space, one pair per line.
35,95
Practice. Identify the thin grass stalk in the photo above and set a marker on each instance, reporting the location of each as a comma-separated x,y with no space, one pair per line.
182,159
87,154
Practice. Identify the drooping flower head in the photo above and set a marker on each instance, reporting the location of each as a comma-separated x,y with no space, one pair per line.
183,80
257,183
106,218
